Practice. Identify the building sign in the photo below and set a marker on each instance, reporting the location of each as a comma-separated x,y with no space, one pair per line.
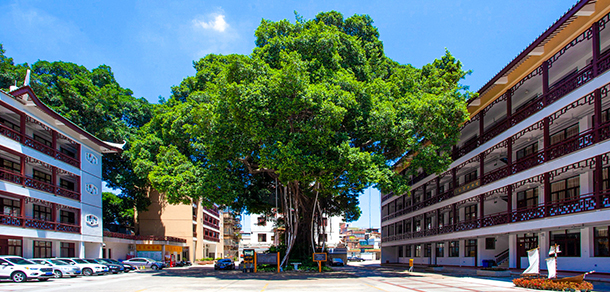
91,189
92,220
266,258
173,248
91,158
149,247
319,257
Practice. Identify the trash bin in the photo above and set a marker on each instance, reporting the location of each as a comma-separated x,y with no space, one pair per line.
487,263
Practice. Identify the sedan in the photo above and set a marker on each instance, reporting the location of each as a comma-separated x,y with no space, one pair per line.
337,262
113,268
224,264
355,259
145,262
60,268
126,267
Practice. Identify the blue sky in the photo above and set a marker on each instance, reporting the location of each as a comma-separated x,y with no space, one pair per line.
151,44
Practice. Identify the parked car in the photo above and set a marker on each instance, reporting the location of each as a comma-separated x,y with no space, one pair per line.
224,264
355,259
145,262
126,267
60,268
19,269
113,268
337,262
87,268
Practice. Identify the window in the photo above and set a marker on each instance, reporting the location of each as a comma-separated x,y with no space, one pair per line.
11,207
564,134
42,176
440,249
469,177
42,249
69,217
262,237
399,228
43,140
262,221
11,246
451,218
440,220
418,250
601,241
407,251
470,212
528,198
605,179
417,225
427,250
10,165
407,226
527,150
568,241
67,249
490,243
42,213
68,152
324,221
428,223
565,189
428,195
66,184
454,249
400,251
470,249
10,125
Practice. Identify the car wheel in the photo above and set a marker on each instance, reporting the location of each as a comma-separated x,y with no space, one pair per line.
18,277
43,279
154,267
57,274
87,272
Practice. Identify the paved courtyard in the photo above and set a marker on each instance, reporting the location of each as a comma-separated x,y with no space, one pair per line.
355,277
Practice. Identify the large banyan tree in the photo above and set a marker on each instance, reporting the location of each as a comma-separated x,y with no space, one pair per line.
316,114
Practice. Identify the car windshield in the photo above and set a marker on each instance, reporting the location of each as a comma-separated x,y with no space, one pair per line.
59,263
40,262
19,261
79,261
104,261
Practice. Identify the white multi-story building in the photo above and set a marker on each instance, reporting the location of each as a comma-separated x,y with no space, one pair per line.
50,181
531,167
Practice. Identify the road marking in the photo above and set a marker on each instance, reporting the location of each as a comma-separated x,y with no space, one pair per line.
265,287
375,287
140,290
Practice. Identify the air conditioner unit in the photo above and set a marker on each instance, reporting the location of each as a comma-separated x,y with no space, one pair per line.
131,247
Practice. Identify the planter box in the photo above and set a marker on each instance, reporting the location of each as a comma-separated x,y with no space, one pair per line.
204,262
489,273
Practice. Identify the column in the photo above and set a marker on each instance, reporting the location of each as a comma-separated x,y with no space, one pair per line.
509,154
22,211
512,251
509,203
586,240
546,138
597,113
596,47
433,253
543,242
545,81
481,167
481,126
81,249
481,209
509,106
456,218
598,181
547,193
54,140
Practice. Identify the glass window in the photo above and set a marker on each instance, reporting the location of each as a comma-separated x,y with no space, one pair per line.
605,179
42,213
14,247
43,140
454,249
67,217
440,220
565,189
262,237
10,125
440,249
470,248
418,250
42,249
602,242
564,134
428,223
568,241
10,165
11,207
527,150
490,243
408,250
67,249
68,152
470,212
469,177
66,184
42,176
400,251
427,250
527,198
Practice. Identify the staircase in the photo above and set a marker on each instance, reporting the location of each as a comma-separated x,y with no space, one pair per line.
502,259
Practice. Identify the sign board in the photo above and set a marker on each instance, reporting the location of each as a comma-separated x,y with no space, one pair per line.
319,257
248,253
339,250
266,258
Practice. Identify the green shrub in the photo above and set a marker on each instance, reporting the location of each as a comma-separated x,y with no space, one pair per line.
547,284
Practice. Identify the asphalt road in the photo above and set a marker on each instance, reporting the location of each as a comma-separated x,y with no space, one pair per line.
353,278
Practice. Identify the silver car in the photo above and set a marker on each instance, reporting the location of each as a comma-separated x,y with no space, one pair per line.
60,268
146,263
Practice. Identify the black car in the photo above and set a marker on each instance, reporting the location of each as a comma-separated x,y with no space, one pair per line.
224,264
113,268
126,267
355,259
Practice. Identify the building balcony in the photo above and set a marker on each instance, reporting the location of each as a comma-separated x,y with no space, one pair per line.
26,212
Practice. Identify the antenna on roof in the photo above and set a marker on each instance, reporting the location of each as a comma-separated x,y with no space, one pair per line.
26,82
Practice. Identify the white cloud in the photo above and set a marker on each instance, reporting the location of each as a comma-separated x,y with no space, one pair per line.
218,24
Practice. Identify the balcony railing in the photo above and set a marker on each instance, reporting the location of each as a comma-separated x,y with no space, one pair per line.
27,222
583,203
211,238
211,225
30,142
17,178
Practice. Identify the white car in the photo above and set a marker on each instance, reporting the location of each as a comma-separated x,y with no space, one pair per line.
60,268
87,268
19,269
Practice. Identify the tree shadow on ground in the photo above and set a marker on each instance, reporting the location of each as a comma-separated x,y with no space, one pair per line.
337,273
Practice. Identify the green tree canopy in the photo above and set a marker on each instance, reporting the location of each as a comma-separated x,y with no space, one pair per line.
318,108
